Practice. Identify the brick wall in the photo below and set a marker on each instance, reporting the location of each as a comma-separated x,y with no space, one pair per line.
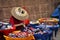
36,8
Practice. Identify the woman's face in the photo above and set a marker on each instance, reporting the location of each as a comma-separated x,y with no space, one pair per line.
20,11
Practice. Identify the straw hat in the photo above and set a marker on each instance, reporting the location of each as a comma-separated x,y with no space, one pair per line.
19,13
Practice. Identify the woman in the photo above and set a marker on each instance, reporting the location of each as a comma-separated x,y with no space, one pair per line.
19,17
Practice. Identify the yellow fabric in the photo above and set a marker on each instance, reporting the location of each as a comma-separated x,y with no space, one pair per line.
26,38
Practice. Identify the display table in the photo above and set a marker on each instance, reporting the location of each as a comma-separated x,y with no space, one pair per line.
46,36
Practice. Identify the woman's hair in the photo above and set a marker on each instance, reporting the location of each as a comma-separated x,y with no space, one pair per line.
1,36
56,4
21,27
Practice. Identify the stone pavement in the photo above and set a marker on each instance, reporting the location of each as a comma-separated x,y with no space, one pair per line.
58,36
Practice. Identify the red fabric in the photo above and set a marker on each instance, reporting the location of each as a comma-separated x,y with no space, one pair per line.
6,32
15,21
26,22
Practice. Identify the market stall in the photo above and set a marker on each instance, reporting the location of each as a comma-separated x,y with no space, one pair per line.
21,28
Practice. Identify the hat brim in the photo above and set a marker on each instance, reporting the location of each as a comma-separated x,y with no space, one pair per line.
19,16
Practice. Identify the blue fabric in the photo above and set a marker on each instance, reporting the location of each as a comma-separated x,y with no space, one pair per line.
46,36
34,25
40,36
56,12
54,29
43,36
